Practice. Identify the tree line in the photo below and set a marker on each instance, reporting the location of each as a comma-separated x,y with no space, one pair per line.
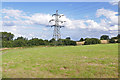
89,41
7,40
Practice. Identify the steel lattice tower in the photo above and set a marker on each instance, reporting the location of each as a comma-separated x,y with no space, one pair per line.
56,32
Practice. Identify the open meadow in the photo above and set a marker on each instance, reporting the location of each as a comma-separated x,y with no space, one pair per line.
87,61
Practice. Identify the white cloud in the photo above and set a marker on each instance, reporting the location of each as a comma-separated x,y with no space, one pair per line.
83,24
92,24
40,19
110,22
114,2
22,20
8,23
110,15
17,14
19,30
45,29
6,17
43,19
115,27
104,24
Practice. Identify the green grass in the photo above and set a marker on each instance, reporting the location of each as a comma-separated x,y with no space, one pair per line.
88,61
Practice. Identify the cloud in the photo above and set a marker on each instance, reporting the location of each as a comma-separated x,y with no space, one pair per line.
83,24
19,23
115,27
43,19
110,15
6,17
111,19
20,30
40,19
20,17
8,23
17,14
114,2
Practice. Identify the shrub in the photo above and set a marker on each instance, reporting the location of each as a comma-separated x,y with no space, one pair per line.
19,43
118,40
68,38
73,43
92,41
7,44
36,42
118,36
111,40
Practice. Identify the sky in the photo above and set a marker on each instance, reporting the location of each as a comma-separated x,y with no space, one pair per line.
83,19
60,0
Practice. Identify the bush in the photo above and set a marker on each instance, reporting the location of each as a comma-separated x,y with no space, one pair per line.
52,40
118,36
111,40
114,38
46,42
73,43
92,41
36,42
19,43
118,40
68,38
7,44
68,42
63,42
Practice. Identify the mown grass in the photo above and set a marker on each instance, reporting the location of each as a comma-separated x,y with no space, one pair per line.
89,61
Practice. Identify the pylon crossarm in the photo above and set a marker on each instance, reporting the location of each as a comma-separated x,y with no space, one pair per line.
61,26
61,15
53,15
51,20
62,21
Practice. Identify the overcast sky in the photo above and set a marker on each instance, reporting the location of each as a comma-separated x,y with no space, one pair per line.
83,19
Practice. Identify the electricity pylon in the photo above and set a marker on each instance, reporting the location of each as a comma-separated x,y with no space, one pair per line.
56,32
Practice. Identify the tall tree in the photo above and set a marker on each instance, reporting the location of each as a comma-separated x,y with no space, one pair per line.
7,36
104,37
52,40
68,38
118,35
21,38
81,39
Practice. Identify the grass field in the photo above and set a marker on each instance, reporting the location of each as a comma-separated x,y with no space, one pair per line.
88,61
